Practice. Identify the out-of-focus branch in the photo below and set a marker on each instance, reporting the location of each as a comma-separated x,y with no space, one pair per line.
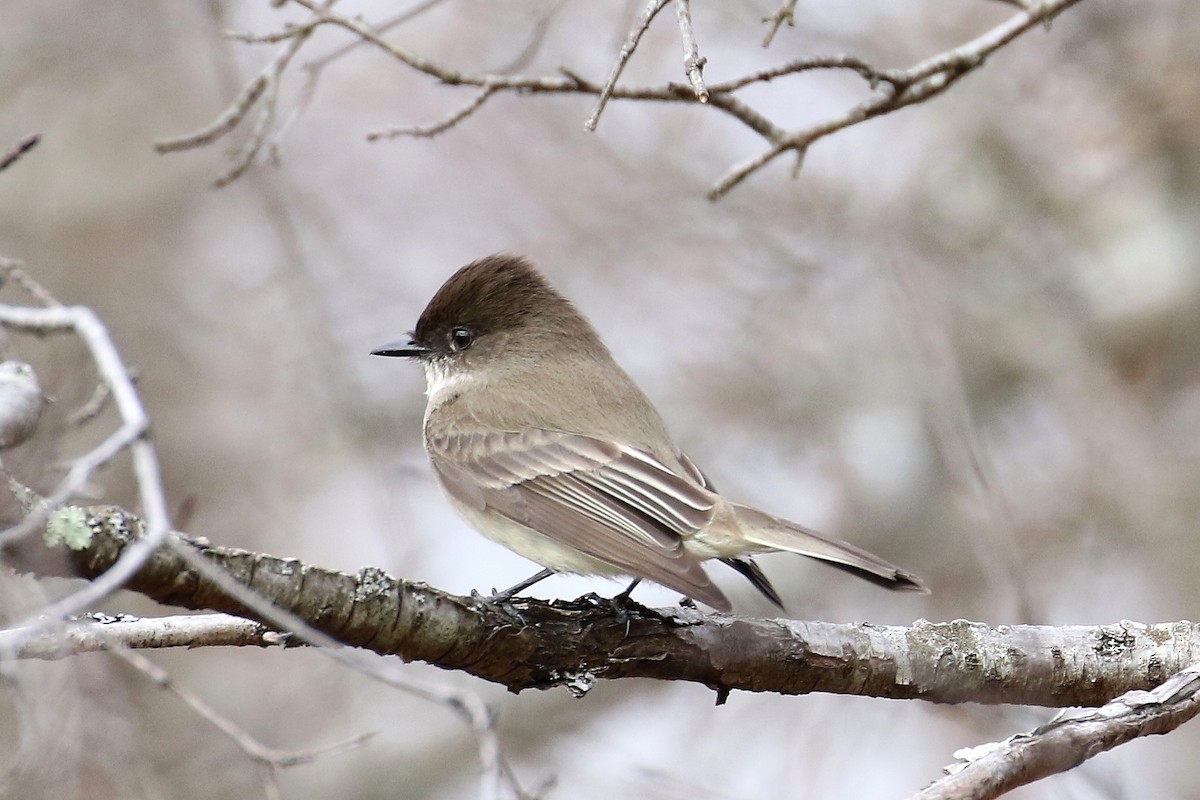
631,42
893,88
1068,740
82,321
68,529
693,62
18,150
904,88
101,633
269,760
785,13
264,87
534,644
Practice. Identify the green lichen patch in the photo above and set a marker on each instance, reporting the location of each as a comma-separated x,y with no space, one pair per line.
68,526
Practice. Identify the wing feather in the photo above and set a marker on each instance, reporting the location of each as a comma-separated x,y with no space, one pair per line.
610,502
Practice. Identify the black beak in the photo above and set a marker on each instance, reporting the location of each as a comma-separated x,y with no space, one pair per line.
403,349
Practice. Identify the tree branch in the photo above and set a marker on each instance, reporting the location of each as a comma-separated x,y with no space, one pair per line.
894,88
100,632
535,644
1068,740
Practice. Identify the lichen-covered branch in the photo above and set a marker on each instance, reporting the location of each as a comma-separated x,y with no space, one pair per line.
535,644
1068,740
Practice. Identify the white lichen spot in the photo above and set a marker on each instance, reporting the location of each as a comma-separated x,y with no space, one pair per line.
579,683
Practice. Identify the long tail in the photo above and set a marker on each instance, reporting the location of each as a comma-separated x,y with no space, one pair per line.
779,534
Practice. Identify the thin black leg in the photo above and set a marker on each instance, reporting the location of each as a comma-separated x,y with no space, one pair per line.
513,591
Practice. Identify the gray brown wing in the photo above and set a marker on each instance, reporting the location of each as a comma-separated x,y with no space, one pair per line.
610,502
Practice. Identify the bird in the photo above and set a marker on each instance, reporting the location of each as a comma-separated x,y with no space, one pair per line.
544,444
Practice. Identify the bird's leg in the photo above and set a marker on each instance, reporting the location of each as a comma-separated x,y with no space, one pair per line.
513,591
619,603
619,599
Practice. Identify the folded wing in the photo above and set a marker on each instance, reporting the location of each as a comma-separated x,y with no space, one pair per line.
608,501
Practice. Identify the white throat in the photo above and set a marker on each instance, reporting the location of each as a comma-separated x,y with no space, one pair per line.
441,383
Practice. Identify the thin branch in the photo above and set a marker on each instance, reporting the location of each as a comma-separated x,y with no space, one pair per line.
11,269
142,538
383,27
906,87
895,89
1068,740
264,87
131,434
224,123
258,596
98,633
872,75
631,42
424,131
268,759
693,62
785,13
18,150
92,407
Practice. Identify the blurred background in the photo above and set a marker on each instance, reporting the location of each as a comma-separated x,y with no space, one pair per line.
966,337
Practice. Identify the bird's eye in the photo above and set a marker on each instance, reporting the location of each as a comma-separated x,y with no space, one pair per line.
461,339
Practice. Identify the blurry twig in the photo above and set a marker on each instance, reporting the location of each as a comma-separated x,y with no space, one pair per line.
102,633
1068,740
955,434
15,271
894,88
785,13
631,42
264,87
437,127
465,704
19,149
95,404
268,760
904,88
693,62
131,434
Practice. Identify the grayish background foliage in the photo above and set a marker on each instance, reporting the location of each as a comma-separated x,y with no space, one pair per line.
966,338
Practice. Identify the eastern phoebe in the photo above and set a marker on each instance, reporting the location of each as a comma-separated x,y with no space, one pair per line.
546,446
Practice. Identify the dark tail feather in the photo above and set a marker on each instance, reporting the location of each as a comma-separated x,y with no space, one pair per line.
753,573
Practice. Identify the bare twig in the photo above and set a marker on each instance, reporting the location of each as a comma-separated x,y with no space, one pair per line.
437,127
268,759
895,88
19,149
92,407
264,86
223,124
872,75
466,704
144,539
631,42
905,87
1068,740
131,434
383,27
99,633
785,13
15,270
693,62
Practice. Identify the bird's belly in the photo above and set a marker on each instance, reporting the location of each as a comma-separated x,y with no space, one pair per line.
535,546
